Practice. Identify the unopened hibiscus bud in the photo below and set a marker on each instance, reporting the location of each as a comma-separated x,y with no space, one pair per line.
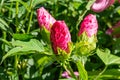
87,35
114,31
44,19
60,37
101,5
89,25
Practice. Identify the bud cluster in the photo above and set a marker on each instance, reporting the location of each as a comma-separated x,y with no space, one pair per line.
60,37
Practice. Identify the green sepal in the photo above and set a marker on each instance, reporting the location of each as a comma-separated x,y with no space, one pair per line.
45,34
85,44
62,55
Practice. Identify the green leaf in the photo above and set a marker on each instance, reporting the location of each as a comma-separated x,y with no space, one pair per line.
45,35
108,74
83,73
5,41
23,37
42,59
108,58
23,48
4,26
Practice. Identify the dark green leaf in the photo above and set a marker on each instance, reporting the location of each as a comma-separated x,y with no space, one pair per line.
116,46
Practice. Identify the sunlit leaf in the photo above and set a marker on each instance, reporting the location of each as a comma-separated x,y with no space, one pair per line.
107,57
23,48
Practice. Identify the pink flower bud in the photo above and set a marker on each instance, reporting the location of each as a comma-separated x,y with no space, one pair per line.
65,74
60,36
44,18
101,5
89,25
119,1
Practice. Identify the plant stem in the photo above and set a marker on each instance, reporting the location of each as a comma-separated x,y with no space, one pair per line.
101,73
80,18
68,68
16,62
4,37
31,15
82,72
10,12
83,60
60,73
16,21
30,8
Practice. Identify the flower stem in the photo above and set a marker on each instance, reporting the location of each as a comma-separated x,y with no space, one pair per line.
16,62
89,4
82,72
80,18
68,68
101,73
31,15
60,73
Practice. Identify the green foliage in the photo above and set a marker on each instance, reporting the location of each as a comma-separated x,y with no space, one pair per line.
83,73
4,26
25,53
23,48
107,57
85,45
22,37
